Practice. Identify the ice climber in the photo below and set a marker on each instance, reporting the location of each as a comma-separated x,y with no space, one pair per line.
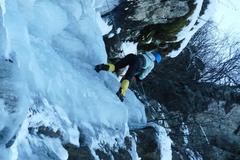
139,67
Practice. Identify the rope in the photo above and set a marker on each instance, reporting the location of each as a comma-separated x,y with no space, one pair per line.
204,134
144,94
138,90
141,91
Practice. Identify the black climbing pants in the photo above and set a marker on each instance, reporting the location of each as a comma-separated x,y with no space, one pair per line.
135,63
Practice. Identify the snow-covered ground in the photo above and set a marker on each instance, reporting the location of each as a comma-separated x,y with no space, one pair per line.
54,46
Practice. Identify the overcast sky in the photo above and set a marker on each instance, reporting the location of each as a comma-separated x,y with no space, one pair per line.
227,16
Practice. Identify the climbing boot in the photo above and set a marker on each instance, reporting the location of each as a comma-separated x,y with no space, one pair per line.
122,90
105,67
120,96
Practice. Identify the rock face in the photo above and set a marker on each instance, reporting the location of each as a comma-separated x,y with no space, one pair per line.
221,131
153,24
154,12
210,111
145,141
147,146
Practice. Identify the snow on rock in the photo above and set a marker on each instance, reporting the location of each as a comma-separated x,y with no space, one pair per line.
164,142
185,132
104,6
129,47
133,150
196,22
193,155
105,28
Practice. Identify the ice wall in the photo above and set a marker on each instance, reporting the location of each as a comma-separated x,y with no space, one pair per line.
49,50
